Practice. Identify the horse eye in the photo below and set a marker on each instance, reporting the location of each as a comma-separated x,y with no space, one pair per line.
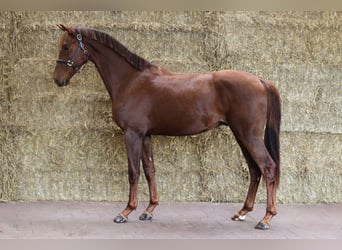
65,47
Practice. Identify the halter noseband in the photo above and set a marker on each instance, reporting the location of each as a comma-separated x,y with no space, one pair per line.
71,61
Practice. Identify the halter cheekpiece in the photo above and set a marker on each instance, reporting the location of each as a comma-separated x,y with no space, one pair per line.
71,61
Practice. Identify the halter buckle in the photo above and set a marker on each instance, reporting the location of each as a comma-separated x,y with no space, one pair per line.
70,63
79,37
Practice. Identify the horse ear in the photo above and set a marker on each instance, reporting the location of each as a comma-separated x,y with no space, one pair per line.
61,26
64,28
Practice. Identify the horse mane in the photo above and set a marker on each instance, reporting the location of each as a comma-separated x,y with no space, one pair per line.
133,59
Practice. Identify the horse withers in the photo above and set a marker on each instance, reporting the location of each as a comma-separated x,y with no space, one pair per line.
149,100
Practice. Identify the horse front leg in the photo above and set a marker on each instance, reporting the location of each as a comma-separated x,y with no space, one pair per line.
133,142
149,170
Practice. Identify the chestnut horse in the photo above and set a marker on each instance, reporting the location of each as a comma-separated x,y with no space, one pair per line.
150,100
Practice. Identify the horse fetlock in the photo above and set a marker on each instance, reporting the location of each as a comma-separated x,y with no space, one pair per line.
272,212
132,206
154,202
246,209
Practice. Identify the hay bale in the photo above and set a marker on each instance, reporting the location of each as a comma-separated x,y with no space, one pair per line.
52,158
143,28
8,174
60,143
36,97
311,168
177,168
8,164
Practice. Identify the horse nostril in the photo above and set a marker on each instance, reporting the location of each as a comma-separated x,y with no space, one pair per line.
58,82
61,83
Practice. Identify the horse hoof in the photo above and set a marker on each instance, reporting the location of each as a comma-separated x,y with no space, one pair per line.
145,217
239,217
262,226
120,219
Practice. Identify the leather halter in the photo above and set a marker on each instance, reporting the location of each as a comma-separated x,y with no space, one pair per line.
71,61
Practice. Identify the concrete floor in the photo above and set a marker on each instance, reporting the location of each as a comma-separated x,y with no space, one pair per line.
193,220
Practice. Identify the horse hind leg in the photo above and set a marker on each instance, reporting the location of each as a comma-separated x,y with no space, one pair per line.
255,175
259,154
149,171
267,167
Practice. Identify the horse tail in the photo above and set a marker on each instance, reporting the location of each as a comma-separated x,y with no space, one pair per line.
272,129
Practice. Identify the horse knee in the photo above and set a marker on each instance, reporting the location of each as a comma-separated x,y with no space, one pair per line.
133,176
149,173
255,179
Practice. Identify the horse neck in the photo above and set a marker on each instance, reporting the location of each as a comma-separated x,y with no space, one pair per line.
114,70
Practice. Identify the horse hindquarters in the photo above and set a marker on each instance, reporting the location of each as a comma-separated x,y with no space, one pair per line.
261,150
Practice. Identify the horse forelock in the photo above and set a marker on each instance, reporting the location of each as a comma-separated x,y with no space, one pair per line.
134,60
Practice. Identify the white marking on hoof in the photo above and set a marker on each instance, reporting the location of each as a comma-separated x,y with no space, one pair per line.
242,217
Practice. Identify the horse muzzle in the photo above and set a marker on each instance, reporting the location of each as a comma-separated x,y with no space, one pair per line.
61,83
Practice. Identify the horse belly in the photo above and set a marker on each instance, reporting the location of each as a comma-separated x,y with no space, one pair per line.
178,122
183,105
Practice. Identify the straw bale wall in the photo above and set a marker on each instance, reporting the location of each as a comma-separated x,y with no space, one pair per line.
60,143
